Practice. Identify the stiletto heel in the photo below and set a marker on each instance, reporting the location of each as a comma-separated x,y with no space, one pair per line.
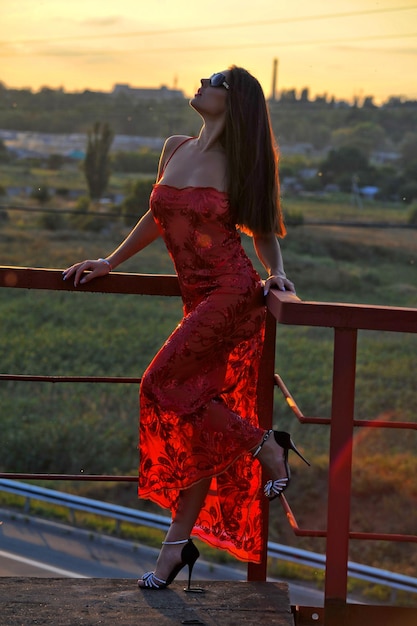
189,556
284,440
274,488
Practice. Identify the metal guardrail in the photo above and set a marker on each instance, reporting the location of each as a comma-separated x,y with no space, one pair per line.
346,320
125,514
79,503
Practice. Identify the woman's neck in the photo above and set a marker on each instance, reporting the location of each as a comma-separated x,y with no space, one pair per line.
209,137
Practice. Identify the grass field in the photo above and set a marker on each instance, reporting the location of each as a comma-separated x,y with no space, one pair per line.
69,428
69,177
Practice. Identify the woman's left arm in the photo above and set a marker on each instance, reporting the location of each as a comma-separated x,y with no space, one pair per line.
268,251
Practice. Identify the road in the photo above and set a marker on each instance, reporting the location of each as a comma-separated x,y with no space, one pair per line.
34,547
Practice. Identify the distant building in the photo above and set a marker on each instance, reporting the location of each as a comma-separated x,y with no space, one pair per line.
25,144
144,93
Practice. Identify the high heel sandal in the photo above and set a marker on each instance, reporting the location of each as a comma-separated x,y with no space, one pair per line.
189,556
274,488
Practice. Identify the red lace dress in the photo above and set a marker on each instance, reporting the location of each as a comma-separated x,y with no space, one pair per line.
198,396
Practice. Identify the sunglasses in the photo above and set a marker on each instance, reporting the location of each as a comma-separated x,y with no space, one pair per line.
219,80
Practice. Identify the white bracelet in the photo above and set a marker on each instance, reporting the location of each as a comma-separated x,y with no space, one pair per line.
106,261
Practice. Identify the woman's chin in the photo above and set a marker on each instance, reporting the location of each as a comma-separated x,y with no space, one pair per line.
194,102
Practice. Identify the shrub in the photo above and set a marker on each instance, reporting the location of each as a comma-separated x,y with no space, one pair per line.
87,222
63,192
137,202
409,192
55,161
81,219
40,193
143,160
82,204
412,214
294,218
52,220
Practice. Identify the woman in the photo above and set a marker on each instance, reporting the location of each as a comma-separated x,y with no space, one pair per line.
198,425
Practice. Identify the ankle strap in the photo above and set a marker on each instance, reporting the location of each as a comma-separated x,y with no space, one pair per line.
259,448
175,543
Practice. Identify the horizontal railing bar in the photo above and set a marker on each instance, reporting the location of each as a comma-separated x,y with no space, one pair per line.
135,380
116,282
69,379
85,477
306,532
326,420
383,537
288,309
290,516
365,572
381,424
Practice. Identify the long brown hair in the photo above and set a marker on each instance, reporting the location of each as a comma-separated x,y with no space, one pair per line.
252,157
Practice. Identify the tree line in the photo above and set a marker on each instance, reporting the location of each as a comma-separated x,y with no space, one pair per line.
54,111
375,146
294,120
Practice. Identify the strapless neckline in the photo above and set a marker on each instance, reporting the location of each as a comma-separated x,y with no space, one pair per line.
191,187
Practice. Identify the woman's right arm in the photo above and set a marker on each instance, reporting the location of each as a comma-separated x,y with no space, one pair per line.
142,235
145,231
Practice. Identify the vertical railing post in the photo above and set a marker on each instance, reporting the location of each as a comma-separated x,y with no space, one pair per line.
265,402
340,473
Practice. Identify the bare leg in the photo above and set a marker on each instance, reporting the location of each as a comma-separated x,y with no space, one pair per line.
191,500
271,457
190,503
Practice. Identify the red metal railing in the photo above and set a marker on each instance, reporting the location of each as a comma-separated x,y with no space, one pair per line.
346,320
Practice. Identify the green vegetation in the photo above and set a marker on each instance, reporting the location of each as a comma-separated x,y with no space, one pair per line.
96,164
59,112
335,143
74,428
294,120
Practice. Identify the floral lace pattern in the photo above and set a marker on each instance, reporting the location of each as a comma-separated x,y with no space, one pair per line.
198,396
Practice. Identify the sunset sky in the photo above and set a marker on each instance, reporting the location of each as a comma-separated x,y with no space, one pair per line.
343,48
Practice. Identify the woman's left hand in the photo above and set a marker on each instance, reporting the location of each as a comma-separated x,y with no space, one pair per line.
280,282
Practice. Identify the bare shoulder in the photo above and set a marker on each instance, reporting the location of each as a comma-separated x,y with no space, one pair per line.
172,143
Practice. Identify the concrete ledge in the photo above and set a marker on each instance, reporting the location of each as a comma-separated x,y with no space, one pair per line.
93,601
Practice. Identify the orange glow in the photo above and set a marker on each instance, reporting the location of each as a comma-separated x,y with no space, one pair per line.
10,280
343,49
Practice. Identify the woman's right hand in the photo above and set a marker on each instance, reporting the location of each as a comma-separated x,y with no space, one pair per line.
87,270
